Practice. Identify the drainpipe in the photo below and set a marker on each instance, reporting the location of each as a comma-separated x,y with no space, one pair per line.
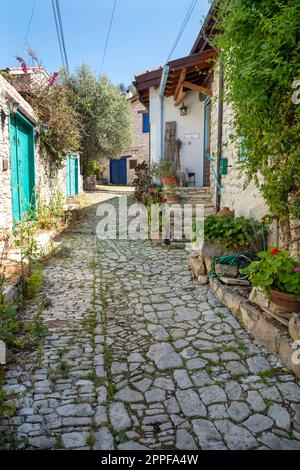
220,122
220,134
162,87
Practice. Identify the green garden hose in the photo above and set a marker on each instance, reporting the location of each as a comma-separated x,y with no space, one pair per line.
241,260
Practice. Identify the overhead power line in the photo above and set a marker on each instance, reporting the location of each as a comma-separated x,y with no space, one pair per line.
183,26
60,34
29,25
108,35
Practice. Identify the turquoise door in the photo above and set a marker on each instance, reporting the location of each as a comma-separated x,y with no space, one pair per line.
72,175
22,166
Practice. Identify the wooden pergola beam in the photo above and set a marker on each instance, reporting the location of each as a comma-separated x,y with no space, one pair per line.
200,89
179,86
180,98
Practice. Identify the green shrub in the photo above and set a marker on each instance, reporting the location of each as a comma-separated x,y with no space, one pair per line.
50,215
275,270
237,233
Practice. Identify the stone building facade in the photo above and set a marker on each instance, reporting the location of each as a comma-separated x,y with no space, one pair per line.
244,199
140,149
47,180
238,195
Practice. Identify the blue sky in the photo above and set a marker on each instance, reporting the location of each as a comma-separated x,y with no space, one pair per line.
142,35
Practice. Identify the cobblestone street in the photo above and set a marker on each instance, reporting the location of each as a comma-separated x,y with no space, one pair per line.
140,356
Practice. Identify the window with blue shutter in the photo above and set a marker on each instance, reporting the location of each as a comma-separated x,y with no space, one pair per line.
146,123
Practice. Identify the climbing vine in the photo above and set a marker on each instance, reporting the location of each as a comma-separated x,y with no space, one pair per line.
260,49
59,125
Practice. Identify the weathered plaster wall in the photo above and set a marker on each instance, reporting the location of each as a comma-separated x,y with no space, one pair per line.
192,149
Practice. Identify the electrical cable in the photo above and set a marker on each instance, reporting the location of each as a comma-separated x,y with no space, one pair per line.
29,24
183,26
62,35
108,36
58,34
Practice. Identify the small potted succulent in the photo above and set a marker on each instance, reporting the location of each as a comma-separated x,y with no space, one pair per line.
278,276
166,172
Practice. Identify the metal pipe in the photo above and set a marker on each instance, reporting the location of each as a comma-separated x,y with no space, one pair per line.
220,134
162,87
220,123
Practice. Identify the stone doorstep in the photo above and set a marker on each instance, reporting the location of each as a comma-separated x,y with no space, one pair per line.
263,328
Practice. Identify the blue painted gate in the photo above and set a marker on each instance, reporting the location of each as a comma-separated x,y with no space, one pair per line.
118,171
72,175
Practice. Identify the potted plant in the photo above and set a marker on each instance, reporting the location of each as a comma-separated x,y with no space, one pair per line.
172,193
165,171
278,276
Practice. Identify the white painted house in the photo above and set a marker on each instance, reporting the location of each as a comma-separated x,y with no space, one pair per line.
180,93
189,130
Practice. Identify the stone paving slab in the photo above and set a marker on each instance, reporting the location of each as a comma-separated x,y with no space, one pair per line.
140,356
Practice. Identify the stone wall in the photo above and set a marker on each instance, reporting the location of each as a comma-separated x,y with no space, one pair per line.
140,149
47,181
244,199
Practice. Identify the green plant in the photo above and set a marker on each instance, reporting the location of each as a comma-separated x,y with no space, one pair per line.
237,233
58,444
33,284
93,168
50,101
105,115
260,48
275,270
50,215
163,168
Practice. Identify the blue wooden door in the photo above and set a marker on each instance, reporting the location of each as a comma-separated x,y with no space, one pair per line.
118,171
72,175
22,166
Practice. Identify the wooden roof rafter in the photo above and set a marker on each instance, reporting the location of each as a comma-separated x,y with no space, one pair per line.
187,73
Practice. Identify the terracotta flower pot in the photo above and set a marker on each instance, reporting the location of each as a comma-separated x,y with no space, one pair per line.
169,181
173,197
288,302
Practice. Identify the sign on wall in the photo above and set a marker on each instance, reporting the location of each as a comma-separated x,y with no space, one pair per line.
192,136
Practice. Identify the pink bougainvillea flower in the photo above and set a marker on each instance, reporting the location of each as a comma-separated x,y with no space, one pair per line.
275,252
53,78
22,63
297,270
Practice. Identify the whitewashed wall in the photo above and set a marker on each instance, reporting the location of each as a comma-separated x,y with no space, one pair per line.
192,149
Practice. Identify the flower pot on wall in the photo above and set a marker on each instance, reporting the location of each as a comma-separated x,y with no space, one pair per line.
169,181
173,197
288,302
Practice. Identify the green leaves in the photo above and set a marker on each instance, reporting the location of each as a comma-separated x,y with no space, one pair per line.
104,113
276,271
233,232
260,51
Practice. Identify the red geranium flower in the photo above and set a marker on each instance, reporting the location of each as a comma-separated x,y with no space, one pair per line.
275,252
164,200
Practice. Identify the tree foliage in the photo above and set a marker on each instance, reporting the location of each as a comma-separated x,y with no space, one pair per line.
260,50
105,115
